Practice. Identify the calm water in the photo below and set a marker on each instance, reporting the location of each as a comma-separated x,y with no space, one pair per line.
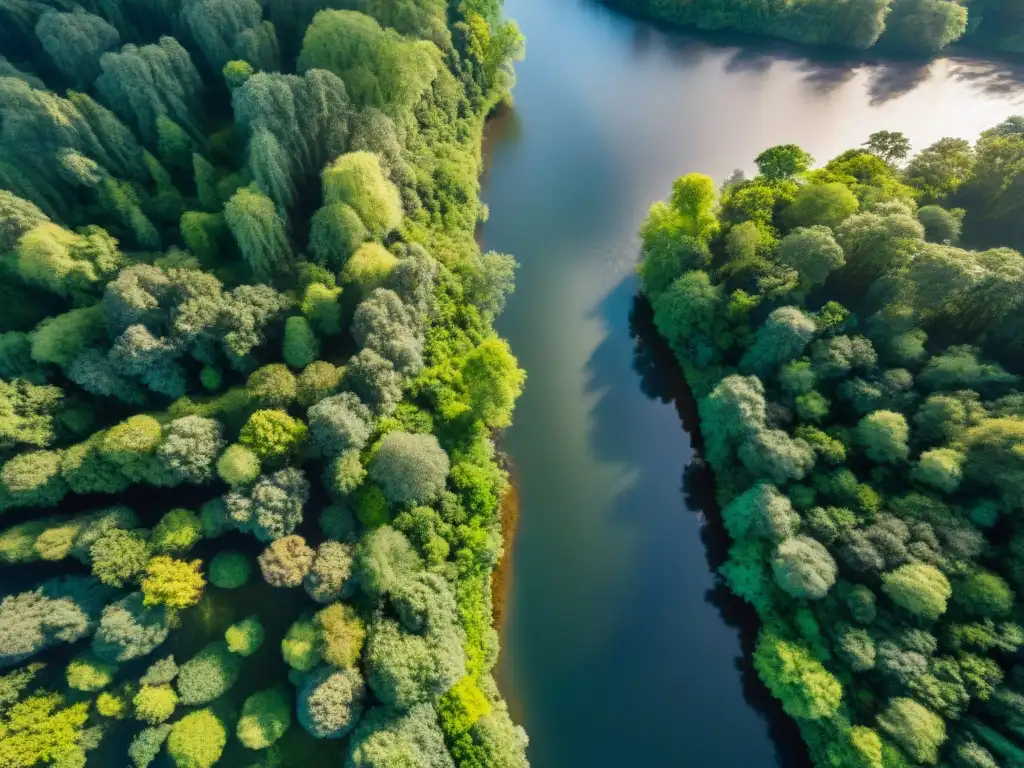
617,651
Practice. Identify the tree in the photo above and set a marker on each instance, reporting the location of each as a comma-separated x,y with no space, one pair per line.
983,594
357,180
384,560
317,381
87,673
329,577
891,146
176,584
689,315
147,744
155,703
176,532
921,589
119,557
404,669
229,570
915,728
321,308
74,42
129,629
924,25
883,435
339,423
266,717
693,198
190,447
804,568
238,465
272,435
821,204
494,380
259,232
300,647
940,225
386,736
783,337
342,634
286,561
209,674
245,637
783,161
410,469
301,346
940,169
330,702
335,233
812,252
806,689
940,468
761,511
272,508
380,67
197,740
272,386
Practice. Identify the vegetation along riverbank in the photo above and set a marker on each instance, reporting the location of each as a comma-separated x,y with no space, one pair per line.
249,384
853,336
895,26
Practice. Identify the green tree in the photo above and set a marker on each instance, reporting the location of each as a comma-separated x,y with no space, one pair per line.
806,689
176,584
916,729
260,234
921,589
783,161
197,740
266,717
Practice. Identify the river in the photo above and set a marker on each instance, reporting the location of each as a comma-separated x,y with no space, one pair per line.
618,650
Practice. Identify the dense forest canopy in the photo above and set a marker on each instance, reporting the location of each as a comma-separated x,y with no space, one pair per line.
249,496
853,334
904,26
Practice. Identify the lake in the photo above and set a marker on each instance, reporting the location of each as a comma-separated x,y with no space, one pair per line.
619,649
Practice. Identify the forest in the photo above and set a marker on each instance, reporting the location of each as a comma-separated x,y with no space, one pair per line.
249,384
917,27
852,334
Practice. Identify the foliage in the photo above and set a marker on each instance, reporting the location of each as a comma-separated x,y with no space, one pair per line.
286,561
245,637
330,702
410,469
119,557
176,584
155,703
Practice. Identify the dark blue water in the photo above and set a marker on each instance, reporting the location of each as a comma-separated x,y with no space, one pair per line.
618,651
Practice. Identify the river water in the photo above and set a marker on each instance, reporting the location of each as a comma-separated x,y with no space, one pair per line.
618,649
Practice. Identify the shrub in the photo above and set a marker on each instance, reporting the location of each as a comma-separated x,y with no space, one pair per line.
197,740
229,570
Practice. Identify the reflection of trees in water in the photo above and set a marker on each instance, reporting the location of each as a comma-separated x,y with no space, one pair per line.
824,70
999,77
661,379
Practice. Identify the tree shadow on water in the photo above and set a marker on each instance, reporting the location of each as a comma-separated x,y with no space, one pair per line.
664,627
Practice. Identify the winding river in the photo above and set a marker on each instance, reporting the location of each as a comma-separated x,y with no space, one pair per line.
618,648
